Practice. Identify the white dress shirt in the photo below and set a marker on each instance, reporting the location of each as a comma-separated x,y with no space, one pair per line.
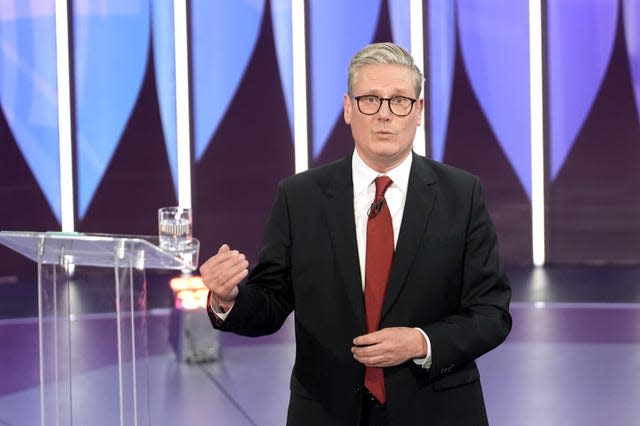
364,190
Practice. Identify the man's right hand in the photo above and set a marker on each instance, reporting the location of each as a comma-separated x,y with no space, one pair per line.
222,273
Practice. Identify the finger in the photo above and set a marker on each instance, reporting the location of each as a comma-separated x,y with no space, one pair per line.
228,291
223,261
378,355
223,255
232,276
367,351
378,360
232,265
223,258
222,279
224,271
368,339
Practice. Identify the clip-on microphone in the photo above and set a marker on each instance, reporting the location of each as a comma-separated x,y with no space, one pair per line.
375,208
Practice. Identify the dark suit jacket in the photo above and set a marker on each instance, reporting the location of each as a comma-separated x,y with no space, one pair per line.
446,278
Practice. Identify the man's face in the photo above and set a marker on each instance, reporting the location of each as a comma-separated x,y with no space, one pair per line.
383,139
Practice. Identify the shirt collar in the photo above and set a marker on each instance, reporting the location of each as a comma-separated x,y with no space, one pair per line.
363,175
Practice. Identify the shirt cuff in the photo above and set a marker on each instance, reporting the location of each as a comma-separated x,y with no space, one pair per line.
221,315
426,361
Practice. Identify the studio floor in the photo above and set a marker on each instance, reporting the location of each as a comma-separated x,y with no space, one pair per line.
572,358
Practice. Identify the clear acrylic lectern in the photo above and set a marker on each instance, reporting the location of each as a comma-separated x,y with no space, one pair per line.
58,256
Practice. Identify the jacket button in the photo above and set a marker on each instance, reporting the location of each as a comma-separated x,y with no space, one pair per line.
357,389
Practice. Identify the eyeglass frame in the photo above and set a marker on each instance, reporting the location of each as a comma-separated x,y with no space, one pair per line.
357,99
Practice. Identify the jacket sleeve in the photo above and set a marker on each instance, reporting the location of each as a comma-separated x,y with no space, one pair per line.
265,300
482,320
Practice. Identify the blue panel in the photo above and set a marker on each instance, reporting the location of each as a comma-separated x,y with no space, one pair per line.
441,38
28,89
494,36
631,10
165,69
111,46
580,37
281,13
400,12
338,29
223,39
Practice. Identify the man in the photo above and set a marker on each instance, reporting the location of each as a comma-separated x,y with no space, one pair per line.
328,249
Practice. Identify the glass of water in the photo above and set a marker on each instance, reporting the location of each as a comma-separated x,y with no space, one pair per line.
174,228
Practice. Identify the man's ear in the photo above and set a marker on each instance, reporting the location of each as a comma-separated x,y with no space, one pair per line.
420,103
347,108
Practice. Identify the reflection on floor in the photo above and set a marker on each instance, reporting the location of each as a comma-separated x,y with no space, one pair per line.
573,358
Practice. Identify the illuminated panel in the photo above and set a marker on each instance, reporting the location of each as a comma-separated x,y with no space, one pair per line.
580,41
300,137
440,73
111,44
537,133
222,42
64,117
164,58
338,29
182,103
285,31
417,51
28,90
494,40
631,9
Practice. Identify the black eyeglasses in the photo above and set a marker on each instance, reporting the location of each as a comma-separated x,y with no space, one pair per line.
398,105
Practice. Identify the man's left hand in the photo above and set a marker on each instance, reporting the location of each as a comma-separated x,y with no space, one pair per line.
389,347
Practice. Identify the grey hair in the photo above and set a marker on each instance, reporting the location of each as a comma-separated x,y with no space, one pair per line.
383,53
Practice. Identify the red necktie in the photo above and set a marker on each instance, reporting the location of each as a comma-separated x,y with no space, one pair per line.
377,267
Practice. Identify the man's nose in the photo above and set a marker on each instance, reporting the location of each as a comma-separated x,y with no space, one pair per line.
385,109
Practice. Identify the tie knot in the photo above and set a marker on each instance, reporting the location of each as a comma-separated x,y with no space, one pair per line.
382,183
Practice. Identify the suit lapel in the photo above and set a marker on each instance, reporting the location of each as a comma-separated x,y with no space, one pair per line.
342,229
421,197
